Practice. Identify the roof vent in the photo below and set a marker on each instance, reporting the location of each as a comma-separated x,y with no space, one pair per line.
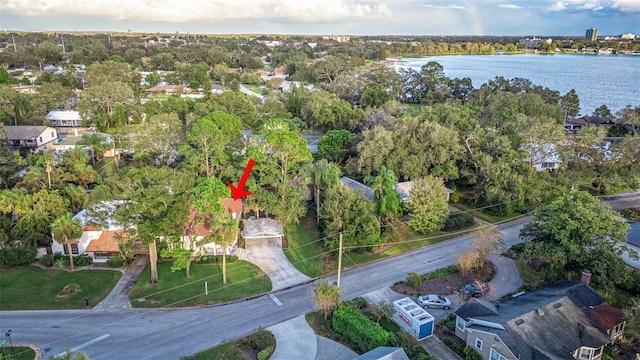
540,312
519,321
557,305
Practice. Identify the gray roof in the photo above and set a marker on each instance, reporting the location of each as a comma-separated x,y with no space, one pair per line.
260,228
384,353
24,132
547,323
633,236
64,115
356,185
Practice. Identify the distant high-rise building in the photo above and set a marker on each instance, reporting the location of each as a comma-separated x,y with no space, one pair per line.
592,34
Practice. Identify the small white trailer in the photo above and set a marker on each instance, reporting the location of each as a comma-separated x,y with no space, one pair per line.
413,319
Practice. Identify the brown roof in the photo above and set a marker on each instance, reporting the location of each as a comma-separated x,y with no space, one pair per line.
197,225
108,242
232,206
605,316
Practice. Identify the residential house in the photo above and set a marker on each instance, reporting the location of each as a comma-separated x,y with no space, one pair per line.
403,189
26,89
384,353
545,157
68,142
633,242
64,118
32,139
199,228
166,89
565,320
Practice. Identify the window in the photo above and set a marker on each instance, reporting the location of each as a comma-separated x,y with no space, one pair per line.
494,355
597,353
617,330
52,135
585,353
74,249
478,344
460,323
547,165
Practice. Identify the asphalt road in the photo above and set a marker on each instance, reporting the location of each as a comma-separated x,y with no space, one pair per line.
171,333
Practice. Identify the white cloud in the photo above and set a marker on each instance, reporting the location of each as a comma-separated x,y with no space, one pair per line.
204,10
626,5
510,6
452,6
558,6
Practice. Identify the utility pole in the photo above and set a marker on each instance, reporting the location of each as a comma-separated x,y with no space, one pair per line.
14,43
62,39
339,260
49,169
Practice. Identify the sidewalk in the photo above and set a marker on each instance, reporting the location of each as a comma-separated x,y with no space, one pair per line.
118,298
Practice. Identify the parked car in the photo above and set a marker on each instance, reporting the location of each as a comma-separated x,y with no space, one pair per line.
475,289
434,301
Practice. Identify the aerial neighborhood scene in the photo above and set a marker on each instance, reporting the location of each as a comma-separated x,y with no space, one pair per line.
320,180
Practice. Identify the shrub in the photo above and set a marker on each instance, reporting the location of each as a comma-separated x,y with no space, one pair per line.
264,353
471,354
259,340
357,303
62,262
360,331
116,262
18,255
458,221
439,273
82,260
518,248
414,280
47,260
215,259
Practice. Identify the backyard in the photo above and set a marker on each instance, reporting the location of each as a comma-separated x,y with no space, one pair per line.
35,288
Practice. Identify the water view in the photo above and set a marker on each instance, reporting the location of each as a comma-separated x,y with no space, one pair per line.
612,80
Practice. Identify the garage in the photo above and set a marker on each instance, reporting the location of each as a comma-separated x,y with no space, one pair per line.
262,232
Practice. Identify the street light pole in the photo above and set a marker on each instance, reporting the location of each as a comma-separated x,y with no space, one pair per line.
339,260
8,334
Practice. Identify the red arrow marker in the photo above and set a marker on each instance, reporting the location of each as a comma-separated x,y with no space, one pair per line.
239,192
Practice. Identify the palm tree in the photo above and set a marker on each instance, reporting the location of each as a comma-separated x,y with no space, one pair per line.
77,194
69,355
227,228
96,145
384,191
21,106
67,228
323,176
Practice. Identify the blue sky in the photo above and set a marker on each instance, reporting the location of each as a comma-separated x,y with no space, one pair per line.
356,17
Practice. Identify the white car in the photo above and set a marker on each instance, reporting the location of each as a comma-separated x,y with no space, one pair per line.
434,301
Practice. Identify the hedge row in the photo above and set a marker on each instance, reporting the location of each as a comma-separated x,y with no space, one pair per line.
15,256
458,221
215,259
363,333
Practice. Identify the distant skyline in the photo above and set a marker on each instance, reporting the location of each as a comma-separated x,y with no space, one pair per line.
326,17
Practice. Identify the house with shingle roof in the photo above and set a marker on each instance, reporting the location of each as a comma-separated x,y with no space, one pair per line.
633,243
565,320
33,139
199,229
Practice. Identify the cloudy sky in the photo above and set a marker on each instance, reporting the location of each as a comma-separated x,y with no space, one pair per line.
356,17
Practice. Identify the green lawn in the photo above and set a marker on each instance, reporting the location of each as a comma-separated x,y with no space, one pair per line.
304,251
486,217
226,351
34,288
175,290
18,352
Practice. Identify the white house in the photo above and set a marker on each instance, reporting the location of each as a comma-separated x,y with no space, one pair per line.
404,189
545,158
35,139
64,118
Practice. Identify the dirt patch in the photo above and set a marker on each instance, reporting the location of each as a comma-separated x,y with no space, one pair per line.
69,290
448,284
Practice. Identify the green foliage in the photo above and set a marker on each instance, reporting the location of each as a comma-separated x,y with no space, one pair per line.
387,199
83,260
358,329
259,340
265,353
47,260
428,205
16,255
116,261
458,221
215,259
471,354
325,298
357,303
334,145
414,279
442,272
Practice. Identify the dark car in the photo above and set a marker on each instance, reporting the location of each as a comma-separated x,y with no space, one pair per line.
474,290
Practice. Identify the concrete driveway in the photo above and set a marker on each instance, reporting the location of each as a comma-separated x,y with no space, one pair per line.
271,260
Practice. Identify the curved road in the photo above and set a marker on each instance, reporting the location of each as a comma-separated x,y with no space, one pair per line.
171,333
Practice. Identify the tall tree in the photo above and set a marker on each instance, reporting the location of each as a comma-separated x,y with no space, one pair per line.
387,199
65,229
427,205
103,103
570,103
96,144
577,232
335,145
323,176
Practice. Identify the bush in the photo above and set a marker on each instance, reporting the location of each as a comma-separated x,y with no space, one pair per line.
116,262
82,260
264,353
47,260
360,331
471,354
414,280
439,273
518,248
357,303
16,256
259,340
458,221
62,262
215,259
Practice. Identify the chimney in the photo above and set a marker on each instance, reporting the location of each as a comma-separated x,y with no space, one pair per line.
586,277
75,132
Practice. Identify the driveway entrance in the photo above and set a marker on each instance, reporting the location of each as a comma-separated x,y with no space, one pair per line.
268,256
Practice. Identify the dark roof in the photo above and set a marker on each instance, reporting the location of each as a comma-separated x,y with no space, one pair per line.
24,132
354,185
605,316
633,236
384,353
544,324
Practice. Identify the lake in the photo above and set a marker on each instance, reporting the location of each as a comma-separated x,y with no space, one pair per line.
613,80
